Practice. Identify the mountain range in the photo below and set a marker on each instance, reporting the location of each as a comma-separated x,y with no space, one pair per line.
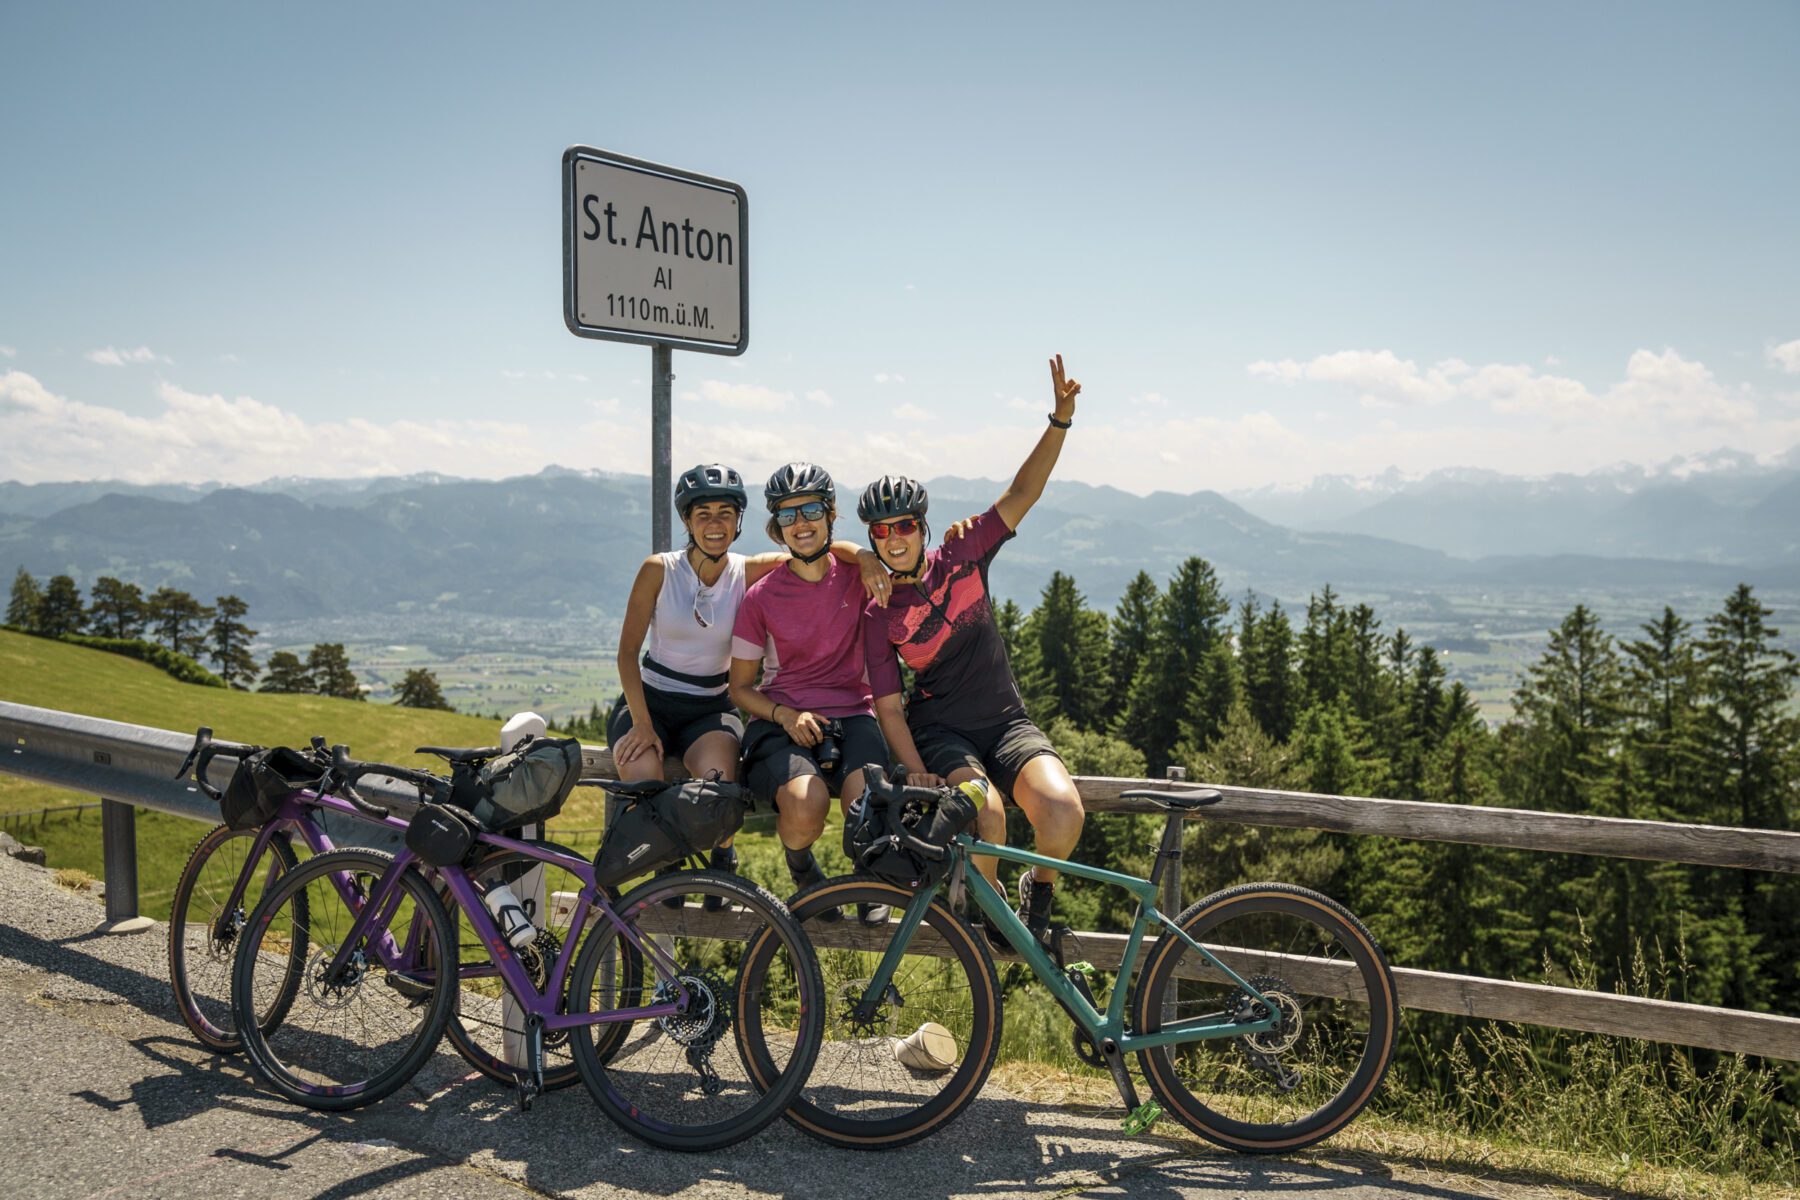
565,543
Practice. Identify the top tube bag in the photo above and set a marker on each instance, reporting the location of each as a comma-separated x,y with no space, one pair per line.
262,781
526,785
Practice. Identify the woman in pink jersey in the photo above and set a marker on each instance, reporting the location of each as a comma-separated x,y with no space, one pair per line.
811,727
965,718
685,602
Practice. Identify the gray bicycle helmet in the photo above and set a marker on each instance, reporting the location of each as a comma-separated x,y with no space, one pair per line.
797,479
709,481
892,496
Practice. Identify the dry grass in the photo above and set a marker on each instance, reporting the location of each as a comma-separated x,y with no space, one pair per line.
74,878
1417,1154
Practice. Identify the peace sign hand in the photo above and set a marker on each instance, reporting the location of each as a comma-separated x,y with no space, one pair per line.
1065,390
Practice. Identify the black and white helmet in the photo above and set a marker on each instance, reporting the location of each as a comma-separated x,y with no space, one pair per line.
798,479
709,481
892,496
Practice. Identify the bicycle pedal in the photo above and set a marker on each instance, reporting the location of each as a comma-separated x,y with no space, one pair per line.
1141,1118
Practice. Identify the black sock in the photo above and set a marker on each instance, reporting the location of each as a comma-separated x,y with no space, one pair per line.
801,862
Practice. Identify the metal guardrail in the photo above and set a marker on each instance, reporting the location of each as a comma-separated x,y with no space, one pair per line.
131,766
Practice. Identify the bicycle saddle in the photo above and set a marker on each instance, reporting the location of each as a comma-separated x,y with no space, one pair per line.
1195,798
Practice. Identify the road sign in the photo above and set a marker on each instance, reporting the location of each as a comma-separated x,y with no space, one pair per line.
652,254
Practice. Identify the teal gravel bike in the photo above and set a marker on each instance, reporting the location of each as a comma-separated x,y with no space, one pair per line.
1263,1017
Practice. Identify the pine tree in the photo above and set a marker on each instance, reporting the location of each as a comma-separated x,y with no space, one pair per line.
1214,694
1271,685
60,612
27,596
286,674
178,621
1071,645
116,608
1324,649
1367,685
420,690
230,641
1186,626
1132,624
329,667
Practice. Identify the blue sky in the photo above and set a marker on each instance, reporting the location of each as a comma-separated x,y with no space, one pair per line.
1272,241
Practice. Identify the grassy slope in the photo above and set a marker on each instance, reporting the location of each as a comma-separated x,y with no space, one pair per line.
53,675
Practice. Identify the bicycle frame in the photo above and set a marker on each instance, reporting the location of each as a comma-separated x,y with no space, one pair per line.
1102,1027
299,812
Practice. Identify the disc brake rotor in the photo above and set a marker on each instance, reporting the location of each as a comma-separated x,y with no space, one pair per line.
334,991
1290,1024
708,1013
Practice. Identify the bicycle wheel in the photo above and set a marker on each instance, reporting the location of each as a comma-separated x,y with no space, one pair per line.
356,1034
203,935
683,1081
871,1089
1301,1081
486,1026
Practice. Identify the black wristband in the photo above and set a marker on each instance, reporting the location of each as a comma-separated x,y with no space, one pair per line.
1060,424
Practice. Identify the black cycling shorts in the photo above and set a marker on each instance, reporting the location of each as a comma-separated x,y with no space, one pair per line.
678,721
771,757
999,752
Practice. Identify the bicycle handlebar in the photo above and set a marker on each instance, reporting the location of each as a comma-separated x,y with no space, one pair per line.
200,756
879,788
346,771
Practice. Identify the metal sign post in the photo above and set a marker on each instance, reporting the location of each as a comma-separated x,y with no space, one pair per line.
659,256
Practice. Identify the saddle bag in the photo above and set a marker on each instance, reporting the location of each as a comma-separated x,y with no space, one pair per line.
681,820
526,785
440,835
262,781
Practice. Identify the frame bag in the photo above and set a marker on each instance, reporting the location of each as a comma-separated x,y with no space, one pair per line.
440,835
665,827
262,781
526,785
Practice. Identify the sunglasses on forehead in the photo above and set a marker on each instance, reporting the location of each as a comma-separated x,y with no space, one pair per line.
812,510
905,527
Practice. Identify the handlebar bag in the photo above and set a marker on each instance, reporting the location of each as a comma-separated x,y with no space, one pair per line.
526,785
874,843
262,781
665,827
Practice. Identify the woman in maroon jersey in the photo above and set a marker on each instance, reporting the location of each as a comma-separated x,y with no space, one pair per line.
965,717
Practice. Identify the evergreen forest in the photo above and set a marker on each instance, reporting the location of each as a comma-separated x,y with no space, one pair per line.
1674,722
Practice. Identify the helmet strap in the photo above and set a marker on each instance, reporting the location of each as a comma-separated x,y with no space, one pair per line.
816,555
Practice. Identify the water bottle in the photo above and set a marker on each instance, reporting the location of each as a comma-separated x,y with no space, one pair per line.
509,914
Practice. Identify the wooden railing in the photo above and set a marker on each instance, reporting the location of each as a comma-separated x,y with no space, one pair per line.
129,765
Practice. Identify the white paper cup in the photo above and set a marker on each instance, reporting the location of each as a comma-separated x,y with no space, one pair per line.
928,1048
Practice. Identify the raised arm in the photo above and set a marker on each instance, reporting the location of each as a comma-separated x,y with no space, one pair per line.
1029,483
641,737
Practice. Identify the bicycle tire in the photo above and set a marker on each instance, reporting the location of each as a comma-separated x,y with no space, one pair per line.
648,1088
860,1094
1302,1081
478,1027
315,1057
201,952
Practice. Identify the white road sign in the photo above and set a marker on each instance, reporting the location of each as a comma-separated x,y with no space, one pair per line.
653,254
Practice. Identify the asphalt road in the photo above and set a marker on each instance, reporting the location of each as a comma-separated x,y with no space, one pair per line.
106,1095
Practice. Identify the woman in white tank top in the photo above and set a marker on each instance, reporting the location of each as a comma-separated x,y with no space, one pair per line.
686,601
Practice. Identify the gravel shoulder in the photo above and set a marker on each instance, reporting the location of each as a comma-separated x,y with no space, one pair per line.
108,1096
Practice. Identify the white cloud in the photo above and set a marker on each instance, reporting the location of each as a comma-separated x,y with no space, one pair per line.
1150,400
1382,378
44,436
751,396
111,356
912,412
8,352
610,406
819,398
1664,388
1786,356
889,377
545,376
230,358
